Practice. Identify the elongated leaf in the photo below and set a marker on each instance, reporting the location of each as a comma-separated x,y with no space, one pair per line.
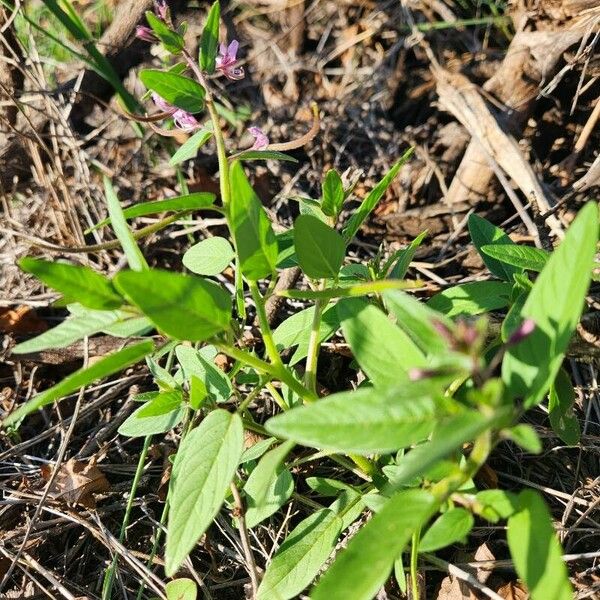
210,39
370,202
382,349
448,436
184,307
75,281
362,422
210,256
198,363
563,419
254,238
351,291
178,90
485,233
333,194
363,566
417,320
525,257
554,304
300,557
320,249
189,148
268,486
135,258
265,155
403,258
69,331
113,363
159,415
452,526
171,40
195,201
536,551
204,467
295,331
472,298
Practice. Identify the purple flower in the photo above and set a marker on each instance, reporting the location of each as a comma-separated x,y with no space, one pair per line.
227,59
183,119
145,33
261,141
520,333
161,8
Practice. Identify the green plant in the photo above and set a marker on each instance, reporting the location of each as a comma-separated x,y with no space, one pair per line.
441,389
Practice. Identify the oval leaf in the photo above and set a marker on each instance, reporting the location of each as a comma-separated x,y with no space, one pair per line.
204,467
472,298
451,527
320,249
209,257
184,307
178,90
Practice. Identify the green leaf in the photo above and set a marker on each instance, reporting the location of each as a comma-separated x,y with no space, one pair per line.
496,504
382,349
135,258
269,485
251,228
210,39
264,155
106,366
417,320
555,304
333,194
320,249
189,148
452,526
195,201
370,202
350,291
200,364
524,257
181,589
536,551
178,90
183,306
364,421
361,568
211,256
198,392
403,259
472,298
204,467
74,281
295,331
560,407
450,434
299,558
171,40
161,414
526,436
69,331
256,451
485,233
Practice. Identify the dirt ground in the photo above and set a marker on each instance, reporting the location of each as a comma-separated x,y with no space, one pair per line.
500,103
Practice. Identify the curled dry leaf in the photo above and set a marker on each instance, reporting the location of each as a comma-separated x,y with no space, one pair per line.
21,320
513,590
76,482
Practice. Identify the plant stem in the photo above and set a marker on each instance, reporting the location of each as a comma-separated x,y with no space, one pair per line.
276,371
110,573
265,328
245,539
312,359
414,560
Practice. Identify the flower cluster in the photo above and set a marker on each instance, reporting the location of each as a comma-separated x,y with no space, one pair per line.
184,120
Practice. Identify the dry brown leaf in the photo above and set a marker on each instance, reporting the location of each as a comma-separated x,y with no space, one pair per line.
513,590
76,482
21,320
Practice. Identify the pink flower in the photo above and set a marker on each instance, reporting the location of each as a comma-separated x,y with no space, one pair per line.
145,33
261,141
227,59
525,329
183,119
161,8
